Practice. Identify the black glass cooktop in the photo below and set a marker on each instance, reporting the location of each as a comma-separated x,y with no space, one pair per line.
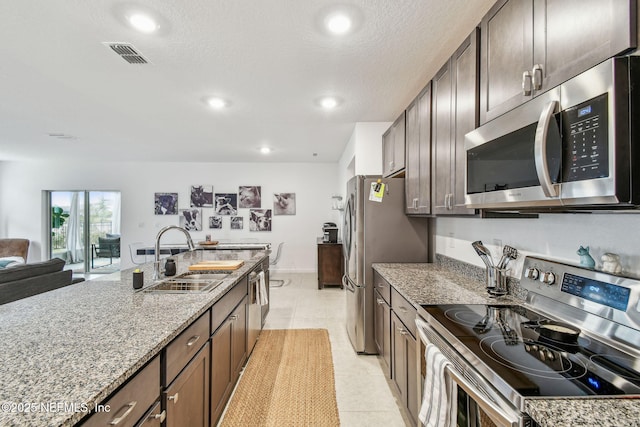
509,341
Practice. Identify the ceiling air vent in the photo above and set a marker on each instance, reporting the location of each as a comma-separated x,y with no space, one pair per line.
128,53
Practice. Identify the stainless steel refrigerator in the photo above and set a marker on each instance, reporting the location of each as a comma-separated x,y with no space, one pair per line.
375,229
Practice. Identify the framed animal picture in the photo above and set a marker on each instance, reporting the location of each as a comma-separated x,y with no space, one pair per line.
284,203
191,219
202,196
166,203
259,219
237,223
215,222
249,196
226,203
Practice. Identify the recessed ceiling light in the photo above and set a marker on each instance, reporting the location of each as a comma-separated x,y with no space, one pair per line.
143,23
216,102
328,103
338,23
265,150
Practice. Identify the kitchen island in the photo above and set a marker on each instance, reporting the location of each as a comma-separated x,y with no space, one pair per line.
433,284
66,351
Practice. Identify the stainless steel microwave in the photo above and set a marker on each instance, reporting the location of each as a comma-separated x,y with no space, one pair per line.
574,146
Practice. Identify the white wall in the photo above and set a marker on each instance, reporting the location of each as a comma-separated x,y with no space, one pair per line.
363,153
22,184
555,236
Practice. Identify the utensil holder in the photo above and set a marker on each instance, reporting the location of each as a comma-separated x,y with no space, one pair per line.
496,281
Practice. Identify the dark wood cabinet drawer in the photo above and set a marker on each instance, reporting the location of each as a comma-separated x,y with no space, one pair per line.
225,305
133,400
382,286
404,310
186,345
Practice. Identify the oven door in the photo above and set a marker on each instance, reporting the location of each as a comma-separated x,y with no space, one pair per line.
475,408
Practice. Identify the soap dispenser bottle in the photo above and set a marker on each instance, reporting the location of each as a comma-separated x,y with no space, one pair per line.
170,268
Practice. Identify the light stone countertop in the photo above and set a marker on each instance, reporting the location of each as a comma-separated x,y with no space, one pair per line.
75,345
456,284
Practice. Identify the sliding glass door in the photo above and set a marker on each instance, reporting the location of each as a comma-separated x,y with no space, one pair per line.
85,229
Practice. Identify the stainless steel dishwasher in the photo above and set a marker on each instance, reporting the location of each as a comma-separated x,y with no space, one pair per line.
254,310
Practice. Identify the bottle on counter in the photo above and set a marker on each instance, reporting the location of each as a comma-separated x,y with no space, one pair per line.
170,267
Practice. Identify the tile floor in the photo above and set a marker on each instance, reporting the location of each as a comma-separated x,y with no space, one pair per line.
362,390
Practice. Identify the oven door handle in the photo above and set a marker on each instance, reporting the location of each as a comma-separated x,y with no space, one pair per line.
504,418
497,414
540,151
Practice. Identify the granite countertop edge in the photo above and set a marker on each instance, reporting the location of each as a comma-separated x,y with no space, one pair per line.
454,287
144,310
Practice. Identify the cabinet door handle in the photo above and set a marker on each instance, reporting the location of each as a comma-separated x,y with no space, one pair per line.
161,416
415,203
129,407
447,202
527,83
234,317
380,301
193,340
537,77
174,398
401,330
402,309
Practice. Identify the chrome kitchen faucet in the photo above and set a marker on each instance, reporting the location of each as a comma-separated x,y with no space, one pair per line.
156,264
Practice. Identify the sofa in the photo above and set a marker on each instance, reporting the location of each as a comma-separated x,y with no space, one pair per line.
30,279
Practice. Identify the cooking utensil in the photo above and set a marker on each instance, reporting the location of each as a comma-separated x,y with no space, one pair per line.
483,252
508,253
557,331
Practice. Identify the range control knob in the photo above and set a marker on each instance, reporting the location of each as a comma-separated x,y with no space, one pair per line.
548,278
532,273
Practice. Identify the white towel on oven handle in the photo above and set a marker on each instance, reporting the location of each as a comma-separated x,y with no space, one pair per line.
440,394
261,289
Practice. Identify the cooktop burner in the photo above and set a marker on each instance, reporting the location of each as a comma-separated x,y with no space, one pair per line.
536,365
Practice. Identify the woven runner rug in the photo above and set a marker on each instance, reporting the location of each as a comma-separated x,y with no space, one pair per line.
288,381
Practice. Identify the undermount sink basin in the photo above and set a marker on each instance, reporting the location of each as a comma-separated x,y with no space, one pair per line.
201,276
187,283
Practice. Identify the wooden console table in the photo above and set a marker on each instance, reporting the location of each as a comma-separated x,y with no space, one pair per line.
330,264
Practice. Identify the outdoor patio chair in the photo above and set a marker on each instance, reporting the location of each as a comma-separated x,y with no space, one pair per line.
107,247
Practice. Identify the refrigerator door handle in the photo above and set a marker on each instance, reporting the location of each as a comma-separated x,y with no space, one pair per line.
347,284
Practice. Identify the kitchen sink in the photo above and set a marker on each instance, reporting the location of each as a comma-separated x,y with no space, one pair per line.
188,283
193,275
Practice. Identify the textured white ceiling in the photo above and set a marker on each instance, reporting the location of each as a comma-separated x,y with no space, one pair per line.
270,58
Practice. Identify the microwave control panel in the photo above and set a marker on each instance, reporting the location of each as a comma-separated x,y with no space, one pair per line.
585,140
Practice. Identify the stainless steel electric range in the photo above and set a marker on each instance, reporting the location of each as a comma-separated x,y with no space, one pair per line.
577,335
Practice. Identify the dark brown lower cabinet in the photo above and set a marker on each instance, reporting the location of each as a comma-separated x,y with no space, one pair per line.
382,319
330,264
228,354
404,370
186,399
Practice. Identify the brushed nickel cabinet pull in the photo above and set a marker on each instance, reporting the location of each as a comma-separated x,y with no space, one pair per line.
527,84
161,416
193,340
129,407
537,77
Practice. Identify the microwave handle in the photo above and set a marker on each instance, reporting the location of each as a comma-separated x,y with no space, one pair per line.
540,151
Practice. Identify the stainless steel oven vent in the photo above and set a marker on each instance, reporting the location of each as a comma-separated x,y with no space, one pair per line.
128,53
